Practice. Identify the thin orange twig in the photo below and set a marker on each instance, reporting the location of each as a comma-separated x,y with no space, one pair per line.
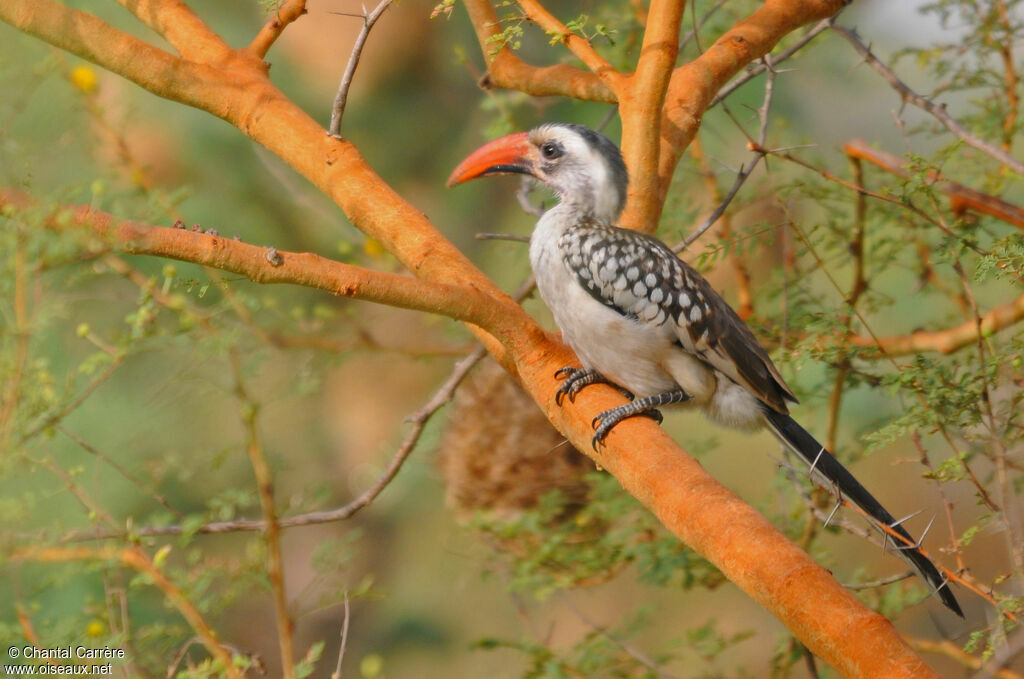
284,14
961,198
135,558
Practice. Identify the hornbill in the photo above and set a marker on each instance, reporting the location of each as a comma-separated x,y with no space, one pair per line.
645,321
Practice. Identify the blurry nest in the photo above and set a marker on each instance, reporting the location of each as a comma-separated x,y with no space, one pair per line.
500,455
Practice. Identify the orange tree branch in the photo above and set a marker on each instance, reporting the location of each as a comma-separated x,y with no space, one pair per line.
178,24
949,340
136,559
951,650
693,86
640,107
650,466
961,198
505,70
284,14
269,265
579,46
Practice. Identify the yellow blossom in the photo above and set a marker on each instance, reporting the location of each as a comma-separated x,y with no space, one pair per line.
84,78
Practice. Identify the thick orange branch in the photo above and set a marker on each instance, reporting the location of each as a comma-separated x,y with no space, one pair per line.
693,85
179,25
747,548
640,107
961,198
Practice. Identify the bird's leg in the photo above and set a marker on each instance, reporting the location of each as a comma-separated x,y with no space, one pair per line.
577,378
647,405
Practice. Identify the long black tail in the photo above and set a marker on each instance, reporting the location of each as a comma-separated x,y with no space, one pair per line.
826,466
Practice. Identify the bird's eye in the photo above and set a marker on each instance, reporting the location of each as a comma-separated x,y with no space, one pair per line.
551,150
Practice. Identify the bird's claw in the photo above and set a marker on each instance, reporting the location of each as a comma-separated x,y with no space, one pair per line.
606,421
575,380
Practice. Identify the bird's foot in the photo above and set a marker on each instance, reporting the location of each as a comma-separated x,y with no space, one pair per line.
575,380
646,406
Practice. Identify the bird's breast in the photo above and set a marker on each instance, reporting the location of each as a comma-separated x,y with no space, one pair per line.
626,352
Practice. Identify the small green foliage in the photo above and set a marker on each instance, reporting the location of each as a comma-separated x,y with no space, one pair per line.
307,665
710,643
510,36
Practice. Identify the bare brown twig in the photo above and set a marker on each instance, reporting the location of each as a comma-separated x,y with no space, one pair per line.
758,67
338,109
745,170
418,420
925,104
249,412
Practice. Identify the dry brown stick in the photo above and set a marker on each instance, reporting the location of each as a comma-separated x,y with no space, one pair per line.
961,198
10,395
249,412
284,14
744,298
694,33
744,171
756,68
341,98
1005,49
418,419
336,674
99,454
135,558
925,104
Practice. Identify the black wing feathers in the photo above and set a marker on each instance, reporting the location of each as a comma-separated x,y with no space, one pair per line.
814,454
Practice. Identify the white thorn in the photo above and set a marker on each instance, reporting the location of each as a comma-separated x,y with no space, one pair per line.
815,463
833,513
908,516
926,529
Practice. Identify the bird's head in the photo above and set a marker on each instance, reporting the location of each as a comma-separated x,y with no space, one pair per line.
583,167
